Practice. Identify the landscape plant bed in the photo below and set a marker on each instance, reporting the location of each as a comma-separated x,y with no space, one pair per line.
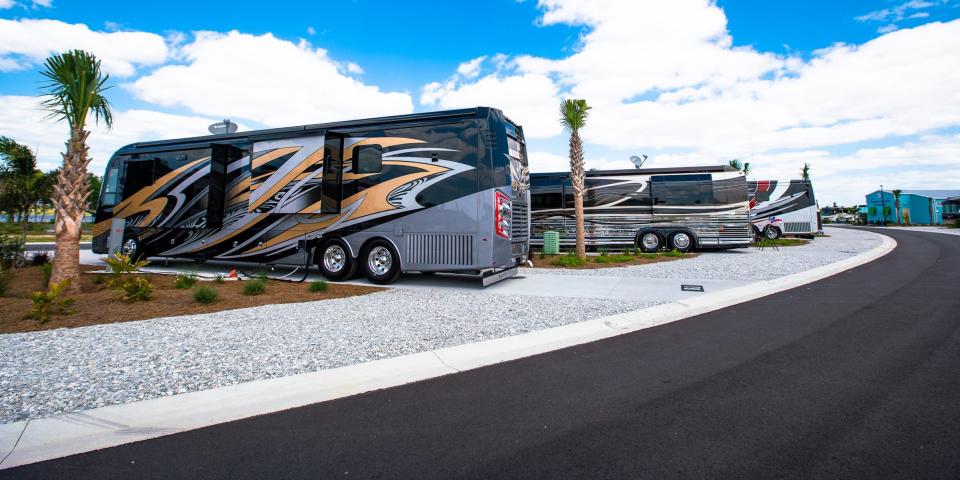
97,304
784,242
607,261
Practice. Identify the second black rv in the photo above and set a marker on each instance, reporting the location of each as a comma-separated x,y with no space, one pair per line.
444,191
654,208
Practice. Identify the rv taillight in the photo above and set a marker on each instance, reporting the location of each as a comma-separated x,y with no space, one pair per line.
502,209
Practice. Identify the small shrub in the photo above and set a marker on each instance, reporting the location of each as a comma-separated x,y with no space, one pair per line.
603,252
5,277
254,287
317,286
612,259
135,289
674,253
185,281
46,270
11,252
46,303
204,295
218,279
541,254
40,258
120,263
98,279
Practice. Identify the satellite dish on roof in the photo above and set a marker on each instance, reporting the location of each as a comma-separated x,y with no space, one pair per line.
224,127
638,161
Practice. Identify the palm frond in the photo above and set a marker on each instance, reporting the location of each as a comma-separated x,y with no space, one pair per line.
75,87
573,114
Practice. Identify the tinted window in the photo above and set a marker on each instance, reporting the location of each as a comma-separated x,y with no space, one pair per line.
729,191
682,190
545,193
367,159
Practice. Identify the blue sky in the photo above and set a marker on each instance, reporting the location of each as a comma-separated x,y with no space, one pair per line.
843,85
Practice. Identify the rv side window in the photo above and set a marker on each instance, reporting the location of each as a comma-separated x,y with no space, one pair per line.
367,159
682,190
729,191
109,197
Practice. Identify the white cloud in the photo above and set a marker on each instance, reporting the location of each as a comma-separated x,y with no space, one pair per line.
266,80
471,68
678,83
5,4
24,43
23,120
311,31
894,14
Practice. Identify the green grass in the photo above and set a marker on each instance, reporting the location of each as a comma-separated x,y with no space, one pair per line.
568,261
254,287
785,242
673,253
622,258
204,295
317,286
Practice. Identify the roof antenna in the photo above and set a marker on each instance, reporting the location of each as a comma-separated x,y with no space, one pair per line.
638,161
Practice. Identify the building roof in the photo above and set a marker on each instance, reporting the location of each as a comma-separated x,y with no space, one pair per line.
938,194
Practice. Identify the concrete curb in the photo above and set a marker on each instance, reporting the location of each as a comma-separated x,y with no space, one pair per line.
62,435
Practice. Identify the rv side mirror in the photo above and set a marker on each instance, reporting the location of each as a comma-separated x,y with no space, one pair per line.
367,159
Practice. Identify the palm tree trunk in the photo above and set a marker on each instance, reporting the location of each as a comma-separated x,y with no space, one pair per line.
24,226
577,175
69,197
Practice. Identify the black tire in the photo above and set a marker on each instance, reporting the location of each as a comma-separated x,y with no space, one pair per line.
771,232
645,241
334,260
380,262
756,233
132,247
682,241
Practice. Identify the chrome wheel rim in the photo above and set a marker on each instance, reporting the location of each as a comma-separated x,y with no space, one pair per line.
681,241
380,260
771,234
334,258
650,241
129,247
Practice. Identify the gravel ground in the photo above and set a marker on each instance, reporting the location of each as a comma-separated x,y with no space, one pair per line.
746,264
56,371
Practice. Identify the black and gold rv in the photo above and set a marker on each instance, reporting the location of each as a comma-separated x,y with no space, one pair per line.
680,208
443,191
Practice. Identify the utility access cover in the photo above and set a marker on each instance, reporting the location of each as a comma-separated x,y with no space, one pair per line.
691,288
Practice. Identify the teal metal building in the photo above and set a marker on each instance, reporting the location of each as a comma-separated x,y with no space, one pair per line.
917,207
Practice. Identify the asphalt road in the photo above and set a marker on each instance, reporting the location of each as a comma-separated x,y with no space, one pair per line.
854,376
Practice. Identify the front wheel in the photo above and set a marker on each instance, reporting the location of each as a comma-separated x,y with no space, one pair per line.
381,264
335,261
772,233
649,242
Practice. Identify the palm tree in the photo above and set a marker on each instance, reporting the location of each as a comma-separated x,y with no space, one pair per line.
896,203
75,87
18,180
805,172
741,167
573,117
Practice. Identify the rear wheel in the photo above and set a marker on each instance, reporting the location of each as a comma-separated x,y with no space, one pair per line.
772,233
381,264
681,241
756,233
649,242
335,261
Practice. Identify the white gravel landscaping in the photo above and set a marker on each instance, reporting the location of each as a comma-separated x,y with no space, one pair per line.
746,264
65,370
56,371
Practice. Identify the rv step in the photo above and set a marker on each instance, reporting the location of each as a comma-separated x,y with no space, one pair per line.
491,277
